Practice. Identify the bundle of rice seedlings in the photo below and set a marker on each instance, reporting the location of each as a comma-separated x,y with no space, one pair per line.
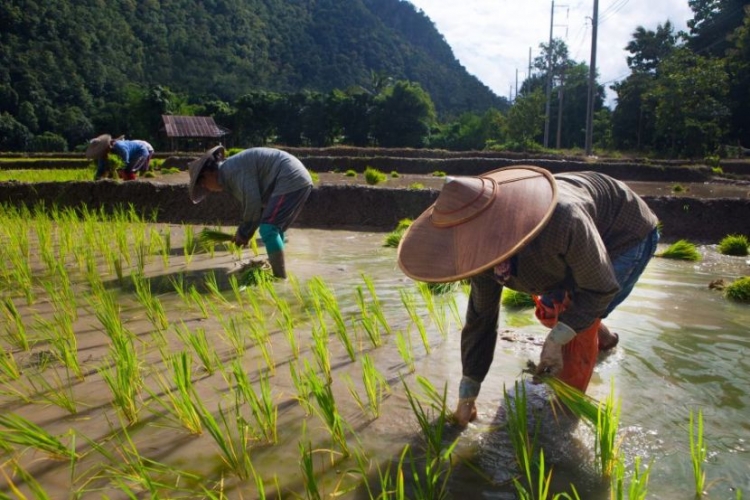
374,176
254,273
734,244
394,237
516,300
681,250
209,237
739,290
442,288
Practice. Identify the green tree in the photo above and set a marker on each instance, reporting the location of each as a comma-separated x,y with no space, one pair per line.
14,136
738,68
713,23
526,119
403,116
352,111
691,111
471,131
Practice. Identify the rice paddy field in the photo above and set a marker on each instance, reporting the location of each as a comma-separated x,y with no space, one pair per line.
139,361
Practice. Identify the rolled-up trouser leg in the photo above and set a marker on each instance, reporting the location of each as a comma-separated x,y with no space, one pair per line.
579,357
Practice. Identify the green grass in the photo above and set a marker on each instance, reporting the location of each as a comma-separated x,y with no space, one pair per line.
51,175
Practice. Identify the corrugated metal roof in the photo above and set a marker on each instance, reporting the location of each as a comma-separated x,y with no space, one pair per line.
192,126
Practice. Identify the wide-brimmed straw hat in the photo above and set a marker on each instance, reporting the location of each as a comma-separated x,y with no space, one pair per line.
98,147
198,193
477,222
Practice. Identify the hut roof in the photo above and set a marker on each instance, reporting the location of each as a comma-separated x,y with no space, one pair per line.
192,126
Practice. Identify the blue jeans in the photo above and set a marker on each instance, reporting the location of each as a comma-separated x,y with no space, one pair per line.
628,267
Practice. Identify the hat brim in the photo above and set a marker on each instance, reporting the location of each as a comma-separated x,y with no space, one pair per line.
98,147
524,200
198,193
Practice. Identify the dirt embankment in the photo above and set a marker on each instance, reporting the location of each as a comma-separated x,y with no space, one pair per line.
349,207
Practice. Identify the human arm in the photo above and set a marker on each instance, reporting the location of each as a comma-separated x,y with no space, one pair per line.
478,339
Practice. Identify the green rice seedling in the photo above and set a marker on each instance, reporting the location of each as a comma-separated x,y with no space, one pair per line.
178,402
24,478
212,285
236,289
190,243
734,244
367,320
442,288
208,238
698,453
263,342
516,300
232,439
255,273
327,410
54,389
375,385
395,174
390,483
578,403
403,344
437,313
681,250
678,188
265,412
123,376
154,308
320,351
65,343
439,173
8,365
22,432
376,307
739,290
607,425
393,238
374,176
522,440
199,301
312,492
416,186
638,487
199,344
285,320
350,173
407,299
178,283
300,381
325,299
16,329
233,333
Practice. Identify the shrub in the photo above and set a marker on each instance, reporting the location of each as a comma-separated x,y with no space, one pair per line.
374,176
739,290
48,142
734,244
681,250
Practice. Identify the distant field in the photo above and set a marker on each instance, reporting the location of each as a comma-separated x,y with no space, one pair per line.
47,175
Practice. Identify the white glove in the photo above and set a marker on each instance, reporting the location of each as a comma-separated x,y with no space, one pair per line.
551,359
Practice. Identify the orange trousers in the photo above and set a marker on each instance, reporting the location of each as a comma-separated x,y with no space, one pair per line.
579,355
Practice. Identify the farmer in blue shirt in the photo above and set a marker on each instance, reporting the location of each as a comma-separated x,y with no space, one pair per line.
135,154
270,184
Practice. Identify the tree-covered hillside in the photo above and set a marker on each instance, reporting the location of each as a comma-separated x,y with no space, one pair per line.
71,57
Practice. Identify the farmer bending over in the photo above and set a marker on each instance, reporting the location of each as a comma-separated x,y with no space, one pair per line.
270,184
136,155
577,242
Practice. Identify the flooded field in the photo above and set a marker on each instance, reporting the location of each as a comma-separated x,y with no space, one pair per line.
135,366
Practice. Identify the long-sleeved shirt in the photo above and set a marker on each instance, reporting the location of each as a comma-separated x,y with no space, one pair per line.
596,219
131,151
253,176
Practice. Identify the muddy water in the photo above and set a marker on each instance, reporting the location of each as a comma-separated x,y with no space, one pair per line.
682,348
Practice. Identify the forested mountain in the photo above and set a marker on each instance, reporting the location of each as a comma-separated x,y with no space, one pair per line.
59,55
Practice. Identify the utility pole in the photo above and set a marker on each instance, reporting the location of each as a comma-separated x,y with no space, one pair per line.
592,82
549,76
560,95
516,82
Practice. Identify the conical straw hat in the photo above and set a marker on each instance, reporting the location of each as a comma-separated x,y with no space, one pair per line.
98,147
477,222
197,193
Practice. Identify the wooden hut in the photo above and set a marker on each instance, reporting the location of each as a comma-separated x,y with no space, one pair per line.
192,132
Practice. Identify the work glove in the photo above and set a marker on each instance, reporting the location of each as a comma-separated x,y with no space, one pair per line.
466,409
551,359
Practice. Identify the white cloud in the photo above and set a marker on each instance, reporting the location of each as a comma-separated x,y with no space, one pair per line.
491,38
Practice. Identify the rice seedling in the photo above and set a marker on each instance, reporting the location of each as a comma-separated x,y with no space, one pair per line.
390,483
734,244
178,283
416,186
178,402
437,314
327,410
739,290
403,344
255,273
374,176
263,408
8,365
212,285
54,389
285,321
681,250
637,488
123,376
199,301
698,453
232,440
190,244
233,333
199,344
516,300
350,173
17,430
308,471
393,238
16,330
607,425
578,403
367,320
407,299
523,441
375,385
325,299
320,351
154,309
208,238
300,381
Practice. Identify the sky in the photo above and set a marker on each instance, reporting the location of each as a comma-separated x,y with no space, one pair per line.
491,38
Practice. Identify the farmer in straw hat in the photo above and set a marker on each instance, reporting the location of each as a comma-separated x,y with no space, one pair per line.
135,154
576,242
270,184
